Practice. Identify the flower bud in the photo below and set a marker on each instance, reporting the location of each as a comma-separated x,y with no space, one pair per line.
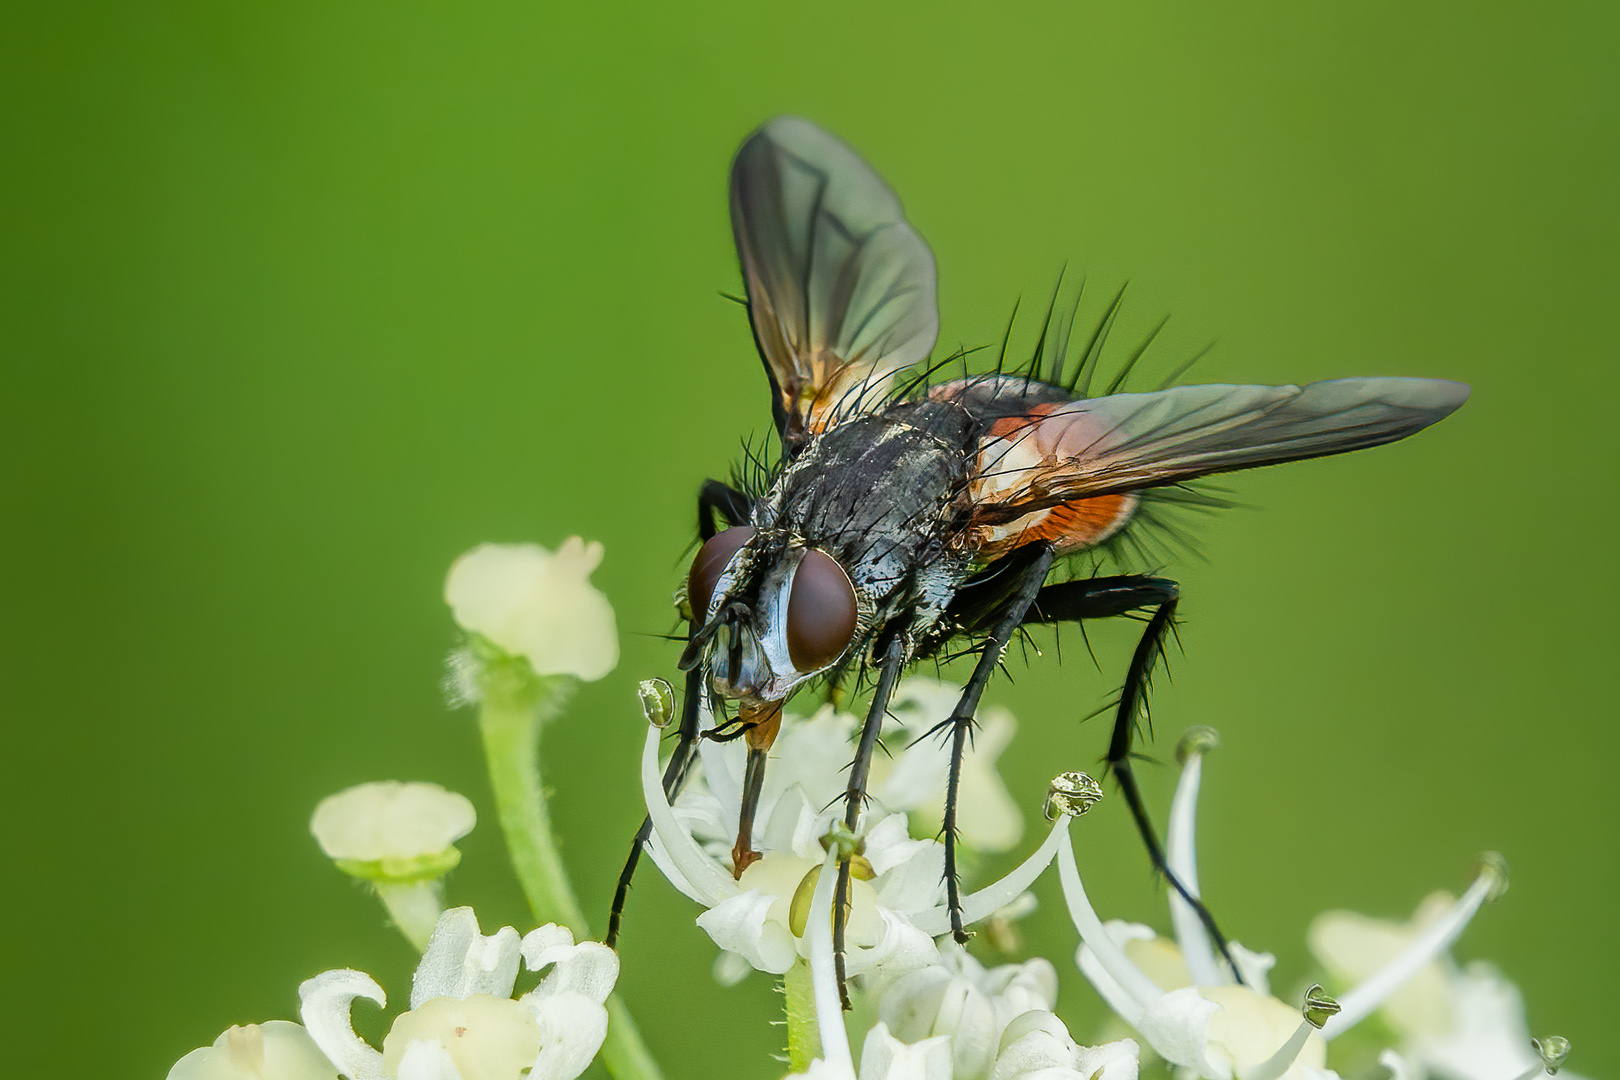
537,605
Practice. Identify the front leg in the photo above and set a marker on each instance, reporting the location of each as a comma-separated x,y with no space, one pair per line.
894,658
733,507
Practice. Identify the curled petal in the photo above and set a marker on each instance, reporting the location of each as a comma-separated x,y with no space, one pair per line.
589,969
460,961
324,1004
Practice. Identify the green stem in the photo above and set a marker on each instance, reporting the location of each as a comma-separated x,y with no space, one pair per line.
804,1038
414,906
510,719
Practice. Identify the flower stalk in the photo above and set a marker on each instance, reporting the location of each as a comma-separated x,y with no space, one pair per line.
513,707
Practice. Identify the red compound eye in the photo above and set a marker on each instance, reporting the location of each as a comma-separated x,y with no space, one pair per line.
710,563
821,612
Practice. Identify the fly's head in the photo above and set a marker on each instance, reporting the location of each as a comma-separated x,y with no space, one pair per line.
771,613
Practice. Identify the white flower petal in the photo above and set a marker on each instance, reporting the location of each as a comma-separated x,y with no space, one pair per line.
537,604
427,1059
742,924
589,969
324,1004
477,1036
883,1057
276,1050
1176,1025
572,1027
459,961
915,779
1036,1046
1489,1037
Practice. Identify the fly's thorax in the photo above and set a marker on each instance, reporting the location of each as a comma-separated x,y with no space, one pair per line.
852,534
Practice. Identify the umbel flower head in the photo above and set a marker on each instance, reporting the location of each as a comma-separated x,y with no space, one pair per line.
759,919
463,1023
525,603
1032,1045
1186,1003
1453,1022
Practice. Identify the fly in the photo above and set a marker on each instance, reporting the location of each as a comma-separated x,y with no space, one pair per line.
902,517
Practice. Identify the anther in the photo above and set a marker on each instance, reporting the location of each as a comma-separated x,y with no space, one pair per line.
1073,794
1553,1051
1491,864
1197,740
657,699
1319,1006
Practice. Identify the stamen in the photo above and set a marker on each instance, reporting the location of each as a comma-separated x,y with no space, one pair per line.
1435,939
1283,1059
992,898
1141,989
709,882
1319,1007
823,975
1180,854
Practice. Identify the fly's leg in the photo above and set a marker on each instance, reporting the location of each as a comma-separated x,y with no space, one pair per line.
894,658
1016,607
1104,597
733,506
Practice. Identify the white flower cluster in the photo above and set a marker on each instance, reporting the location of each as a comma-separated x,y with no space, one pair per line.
462,1024
927,1008
939,1013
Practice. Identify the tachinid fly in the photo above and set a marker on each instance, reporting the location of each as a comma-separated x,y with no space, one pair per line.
903,516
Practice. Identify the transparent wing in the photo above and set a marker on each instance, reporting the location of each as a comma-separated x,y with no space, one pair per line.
1041,453
841,290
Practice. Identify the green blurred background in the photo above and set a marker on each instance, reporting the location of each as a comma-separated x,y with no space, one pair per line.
299,301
